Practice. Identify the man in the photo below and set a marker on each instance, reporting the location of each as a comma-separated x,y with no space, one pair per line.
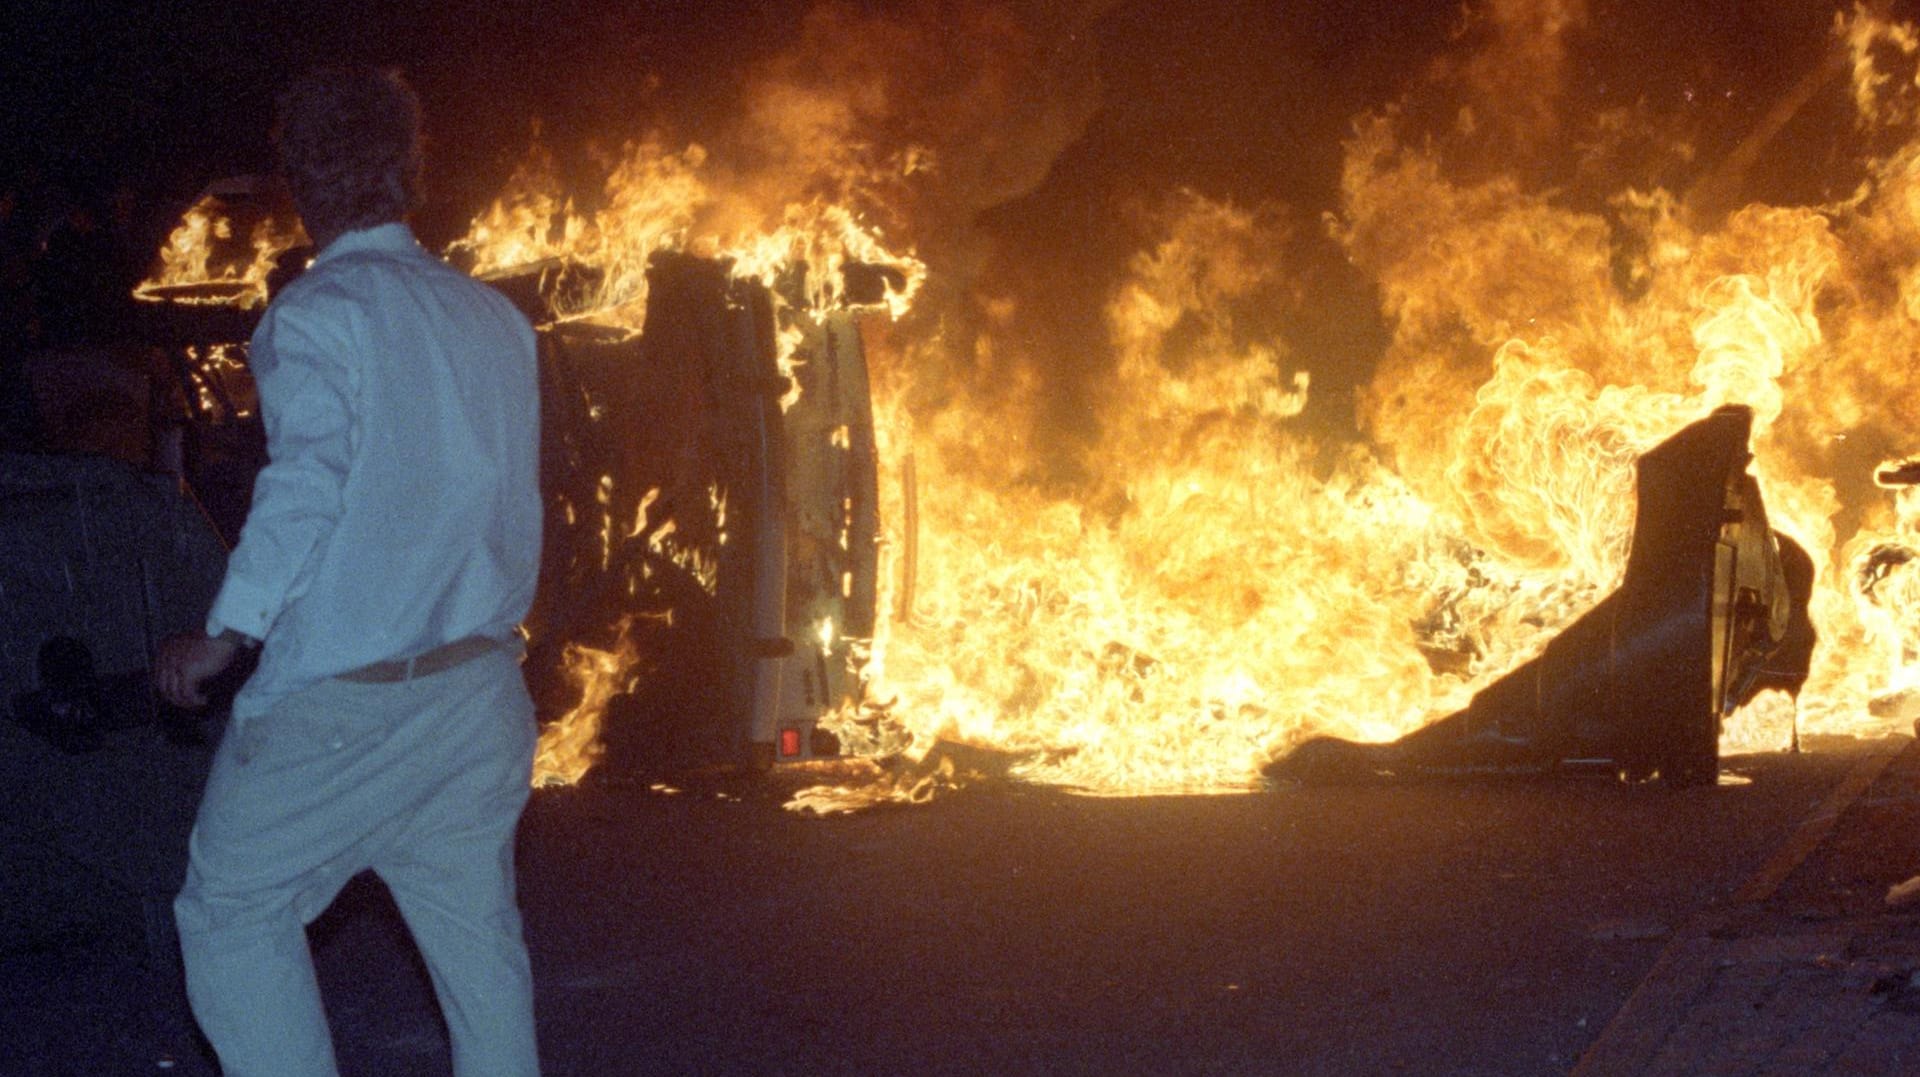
386,563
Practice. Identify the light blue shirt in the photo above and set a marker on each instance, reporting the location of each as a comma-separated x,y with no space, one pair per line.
400,508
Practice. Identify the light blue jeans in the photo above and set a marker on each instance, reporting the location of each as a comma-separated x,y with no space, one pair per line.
422,781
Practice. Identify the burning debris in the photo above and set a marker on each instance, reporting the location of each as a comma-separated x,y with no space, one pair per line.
1709,613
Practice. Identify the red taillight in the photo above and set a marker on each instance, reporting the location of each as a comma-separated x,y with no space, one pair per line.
789,743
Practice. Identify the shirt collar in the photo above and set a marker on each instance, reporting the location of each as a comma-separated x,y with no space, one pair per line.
392,237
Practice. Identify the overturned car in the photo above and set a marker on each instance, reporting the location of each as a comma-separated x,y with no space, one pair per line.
709,480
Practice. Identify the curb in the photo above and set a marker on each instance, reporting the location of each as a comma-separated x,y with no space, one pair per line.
1630,1040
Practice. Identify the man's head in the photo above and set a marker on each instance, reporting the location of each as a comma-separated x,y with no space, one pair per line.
349,144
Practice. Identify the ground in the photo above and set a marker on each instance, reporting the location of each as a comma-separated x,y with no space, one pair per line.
1495,928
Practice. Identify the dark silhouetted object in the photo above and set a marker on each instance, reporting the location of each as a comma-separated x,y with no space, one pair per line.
68,708
1712,609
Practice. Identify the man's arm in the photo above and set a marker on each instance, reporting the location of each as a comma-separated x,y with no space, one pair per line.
306,388
305,393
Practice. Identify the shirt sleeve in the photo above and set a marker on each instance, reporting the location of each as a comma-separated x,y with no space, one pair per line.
300,360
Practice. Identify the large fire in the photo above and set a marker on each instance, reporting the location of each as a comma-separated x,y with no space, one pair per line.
1227,584
1207,580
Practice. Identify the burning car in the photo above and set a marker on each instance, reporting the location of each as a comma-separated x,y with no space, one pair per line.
711,545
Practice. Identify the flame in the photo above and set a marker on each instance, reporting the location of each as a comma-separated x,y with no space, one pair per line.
1233,583
519,227
200,254
658,199
1863,32
570,744
221,382
907,786
184,258
1198,574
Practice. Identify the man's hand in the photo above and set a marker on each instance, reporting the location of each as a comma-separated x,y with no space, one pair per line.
185,662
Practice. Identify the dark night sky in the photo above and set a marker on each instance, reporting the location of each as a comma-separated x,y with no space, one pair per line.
169,96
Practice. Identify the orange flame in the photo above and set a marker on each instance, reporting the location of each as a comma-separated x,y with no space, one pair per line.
1251,585
657,199
201,263
1225,581
570,744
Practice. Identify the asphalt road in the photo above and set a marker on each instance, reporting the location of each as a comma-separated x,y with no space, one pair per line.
1489,928
1457,929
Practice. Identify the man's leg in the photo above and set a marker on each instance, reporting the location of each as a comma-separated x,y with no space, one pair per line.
250,980
274,842
450,866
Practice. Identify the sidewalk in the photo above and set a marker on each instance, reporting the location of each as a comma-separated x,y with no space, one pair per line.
1806,970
